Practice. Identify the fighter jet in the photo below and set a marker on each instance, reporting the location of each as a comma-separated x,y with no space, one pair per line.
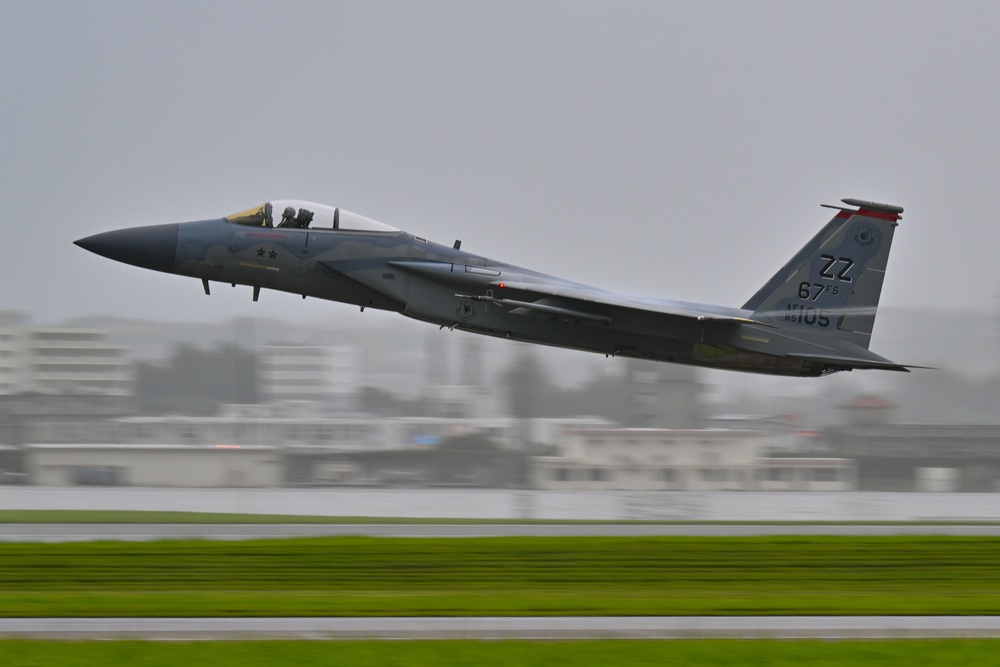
813,318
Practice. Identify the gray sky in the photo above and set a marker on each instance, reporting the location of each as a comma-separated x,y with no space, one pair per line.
664,148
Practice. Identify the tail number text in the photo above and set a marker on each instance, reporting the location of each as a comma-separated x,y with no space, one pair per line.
806,315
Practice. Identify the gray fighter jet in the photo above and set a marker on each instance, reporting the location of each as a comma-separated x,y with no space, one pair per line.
814,317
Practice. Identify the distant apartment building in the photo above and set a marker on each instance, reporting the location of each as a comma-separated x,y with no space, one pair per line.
326,374
76,361
56,384
12,352
59,360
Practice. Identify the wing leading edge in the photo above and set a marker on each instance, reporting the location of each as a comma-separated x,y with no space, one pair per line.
599,300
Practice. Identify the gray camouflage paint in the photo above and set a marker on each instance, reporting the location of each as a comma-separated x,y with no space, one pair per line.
814,317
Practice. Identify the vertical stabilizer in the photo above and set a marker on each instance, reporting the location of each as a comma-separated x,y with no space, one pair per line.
833,284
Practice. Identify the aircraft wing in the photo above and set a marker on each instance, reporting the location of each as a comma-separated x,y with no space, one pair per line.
561,298
588,304
598,304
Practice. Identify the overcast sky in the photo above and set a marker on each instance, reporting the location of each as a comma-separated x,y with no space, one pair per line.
674,149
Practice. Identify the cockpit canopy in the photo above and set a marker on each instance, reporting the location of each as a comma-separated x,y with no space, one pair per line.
297,214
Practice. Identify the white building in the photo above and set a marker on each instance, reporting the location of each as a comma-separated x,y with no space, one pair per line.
550,431
291,425
52,360
640,459
294,442
328,374
296,426
71,361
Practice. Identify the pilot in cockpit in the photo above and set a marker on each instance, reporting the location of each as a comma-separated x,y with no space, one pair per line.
304,219
288,218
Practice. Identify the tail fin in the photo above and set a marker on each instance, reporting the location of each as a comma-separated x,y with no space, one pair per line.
833,284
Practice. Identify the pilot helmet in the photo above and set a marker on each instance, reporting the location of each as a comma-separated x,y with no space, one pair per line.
289,212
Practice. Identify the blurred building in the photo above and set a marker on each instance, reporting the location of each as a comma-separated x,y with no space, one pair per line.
308,444
468,396
57,384
549,432
650,459
805,474
909,457
76,361
244,445
785,434
659,395
28,418
13,357
464,402
153,465
59,360
472,368
436,364
423,432
289,426
327,374
868,410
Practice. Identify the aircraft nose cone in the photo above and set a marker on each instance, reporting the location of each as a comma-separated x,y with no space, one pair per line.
150,247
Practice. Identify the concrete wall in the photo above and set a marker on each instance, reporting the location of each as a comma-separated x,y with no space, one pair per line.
519,504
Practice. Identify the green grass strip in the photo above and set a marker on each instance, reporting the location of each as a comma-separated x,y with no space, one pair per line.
676,653
358,576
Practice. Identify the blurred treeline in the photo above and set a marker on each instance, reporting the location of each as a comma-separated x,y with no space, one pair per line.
196,381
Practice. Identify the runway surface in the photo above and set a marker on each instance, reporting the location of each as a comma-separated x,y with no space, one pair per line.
148,532
567,627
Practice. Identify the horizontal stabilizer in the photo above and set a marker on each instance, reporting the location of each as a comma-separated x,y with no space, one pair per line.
873,205
856,362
